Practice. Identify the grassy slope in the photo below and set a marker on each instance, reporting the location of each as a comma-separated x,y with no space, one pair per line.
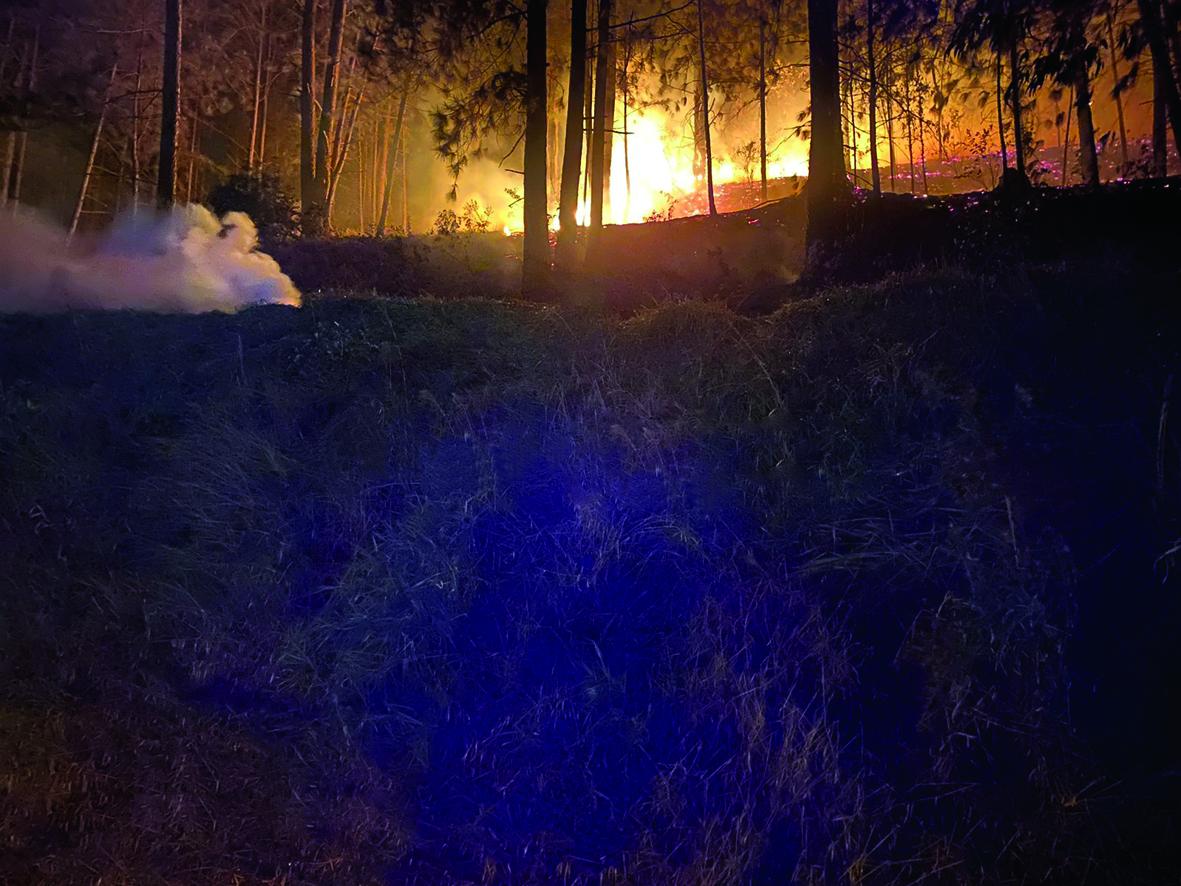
435,592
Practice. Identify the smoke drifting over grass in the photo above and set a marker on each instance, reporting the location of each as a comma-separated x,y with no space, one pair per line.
182,261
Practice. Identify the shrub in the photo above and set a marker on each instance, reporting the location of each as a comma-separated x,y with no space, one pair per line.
264,199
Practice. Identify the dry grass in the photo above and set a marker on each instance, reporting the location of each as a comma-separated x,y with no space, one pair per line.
467,592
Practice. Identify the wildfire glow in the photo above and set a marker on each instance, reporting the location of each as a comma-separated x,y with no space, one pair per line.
655,171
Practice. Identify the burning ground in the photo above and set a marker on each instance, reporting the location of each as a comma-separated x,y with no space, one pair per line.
875,588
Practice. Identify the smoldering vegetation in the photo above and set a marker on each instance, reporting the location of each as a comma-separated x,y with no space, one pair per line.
182,261
875,589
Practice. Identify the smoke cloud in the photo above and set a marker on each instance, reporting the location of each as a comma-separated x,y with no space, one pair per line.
181,261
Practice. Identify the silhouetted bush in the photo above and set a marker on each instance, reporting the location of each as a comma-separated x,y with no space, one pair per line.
275,212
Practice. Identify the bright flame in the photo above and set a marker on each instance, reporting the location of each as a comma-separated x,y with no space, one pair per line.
647,175
655,170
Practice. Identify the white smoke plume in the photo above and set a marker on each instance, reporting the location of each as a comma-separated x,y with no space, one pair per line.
181,261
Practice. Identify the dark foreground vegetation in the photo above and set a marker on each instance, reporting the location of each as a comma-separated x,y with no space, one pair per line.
750,258
878,588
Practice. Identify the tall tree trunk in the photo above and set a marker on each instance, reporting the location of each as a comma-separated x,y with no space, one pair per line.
17,175
381,153
1088,158
1117,94
599,139
698,132
8,44
257,89
609,131
196,125
22,138
923,144
7,158
1160,140
342,152
1018,129
627,169
870,26
88,171
709,151
909,132
319,217
260,160
136,171
405,193
1066,143
170,106
1150,16
875,173
361,187
535,254
307,111
572,152
393,158
763,109
890,116
341,123
1000,115
826,155
852,118
588,125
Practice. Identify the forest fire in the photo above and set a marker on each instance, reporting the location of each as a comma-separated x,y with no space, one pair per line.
522,442
653,176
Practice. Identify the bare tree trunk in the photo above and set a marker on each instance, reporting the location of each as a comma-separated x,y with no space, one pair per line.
342,152
260,161
393,156
8,43
257,97
923,144
1150,17
18,168
196,124
1160,140
6,160
405,193
1000,115
1066,143
588,125
709,151
572,151
1117,93
535,254
852,135
1018,129
627,168
170,106
826,164
609,131
599,130
88,171
307,123
890,116
381,153
762,109
22,138
136,171
318,219
875,173
909,131
340,124
361,187
1088,158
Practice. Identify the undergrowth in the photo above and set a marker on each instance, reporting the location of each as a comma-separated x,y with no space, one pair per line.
424,592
